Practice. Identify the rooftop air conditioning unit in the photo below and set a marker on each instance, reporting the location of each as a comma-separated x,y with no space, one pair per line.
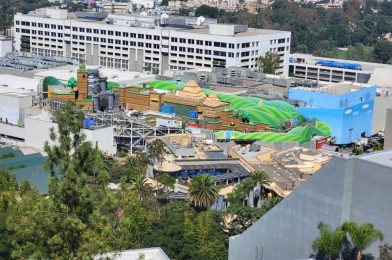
200,20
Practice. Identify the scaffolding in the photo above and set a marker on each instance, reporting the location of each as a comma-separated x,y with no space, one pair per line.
130,132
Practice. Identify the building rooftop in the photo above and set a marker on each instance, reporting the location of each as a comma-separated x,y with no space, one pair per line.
113,75
154,253
16,84
248,32
382,158
311,60
220,169
158,21
288,168
336,88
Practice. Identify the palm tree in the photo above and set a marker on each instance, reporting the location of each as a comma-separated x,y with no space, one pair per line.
361,236
202,191
167,180
140,186
329,243
156,150
258,179
241,191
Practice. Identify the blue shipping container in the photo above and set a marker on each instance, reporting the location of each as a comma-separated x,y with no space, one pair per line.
167,109
193,114
88,123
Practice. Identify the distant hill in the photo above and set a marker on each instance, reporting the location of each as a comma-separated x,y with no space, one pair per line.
9,7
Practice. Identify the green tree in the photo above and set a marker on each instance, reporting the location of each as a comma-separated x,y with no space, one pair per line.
185,234
8,188
260,178
71,83
207,11
386,8
156,150
190,237
209,241
302,48
269,204
135,165
242,217
241,192
8,8
183,12
78,182
269,63
75,7
165,3
141,188
203,192
167,180
69,191
383,51
361,236
329,243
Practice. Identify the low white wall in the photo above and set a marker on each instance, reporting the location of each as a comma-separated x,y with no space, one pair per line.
12,130
37,133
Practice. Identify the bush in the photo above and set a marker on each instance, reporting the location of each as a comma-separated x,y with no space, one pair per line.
7,155
122,154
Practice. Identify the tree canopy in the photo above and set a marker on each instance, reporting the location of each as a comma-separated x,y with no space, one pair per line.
202,191
329,243
8,8
317,30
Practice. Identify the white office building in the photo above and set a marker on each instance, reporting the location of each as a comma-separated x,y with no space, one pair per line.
147,43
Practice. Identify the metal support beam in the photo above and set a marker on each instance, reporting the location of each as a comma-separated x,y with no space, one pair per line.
132,132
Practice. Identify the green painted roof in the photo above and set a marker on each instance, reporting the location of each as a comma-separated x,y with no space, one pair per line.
274,113
63,93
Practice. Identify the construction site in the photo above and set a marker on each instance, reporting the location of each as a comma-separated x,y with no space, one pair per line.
182,106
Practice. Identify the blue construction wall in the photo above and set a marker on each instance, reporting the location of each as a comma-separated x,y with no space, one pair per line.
348,115
329,100
312,99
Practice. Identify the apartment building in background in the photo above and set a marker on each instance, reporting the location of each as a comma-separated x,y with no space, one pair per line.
147,43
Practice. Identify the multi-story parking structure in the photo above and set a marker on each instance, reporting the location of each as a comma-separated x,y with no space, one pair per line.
147,43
